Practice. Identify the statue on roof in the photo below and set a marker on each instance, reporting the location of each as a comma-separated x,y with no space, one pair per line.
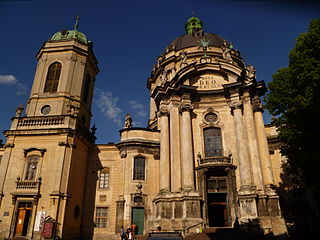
226,51
128,121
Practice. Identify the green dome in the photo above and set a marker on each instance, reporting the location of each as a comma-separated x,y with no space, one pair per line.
70,34
193,23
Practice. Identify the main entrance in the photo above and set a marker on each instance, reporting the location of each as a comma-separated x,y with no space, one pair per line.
23,218
138,219
217,209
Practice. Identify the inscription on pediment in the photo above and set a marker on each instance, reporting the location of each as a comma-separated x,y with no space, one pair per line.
208,82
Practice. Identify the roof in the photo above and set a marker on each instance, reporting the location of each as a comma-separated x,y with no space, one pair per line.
190,40
70,34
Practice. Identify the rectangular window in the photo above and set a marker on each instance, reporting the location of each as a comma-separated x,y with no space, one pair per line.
31,168
139,168
212,142
104,180
101,217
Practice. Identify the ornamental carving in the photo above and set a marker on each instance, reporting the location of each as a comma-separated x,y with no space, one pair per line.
186,106
235,104
163,110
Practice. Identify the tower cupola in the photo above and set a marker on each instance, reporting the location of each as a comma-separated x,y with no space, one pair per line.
70,34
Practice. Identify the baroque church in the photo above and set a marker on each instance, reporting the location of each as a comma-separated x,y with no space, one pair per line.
205,159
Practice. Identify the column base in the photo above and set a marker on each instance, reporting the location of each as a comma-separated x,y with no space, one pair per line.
177,211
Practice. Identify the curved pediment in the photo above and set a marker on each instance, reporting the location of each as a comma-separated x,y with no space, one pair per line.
206,77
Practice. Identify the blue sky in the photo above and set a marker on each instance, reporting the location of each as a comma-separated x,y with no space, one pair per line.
128,36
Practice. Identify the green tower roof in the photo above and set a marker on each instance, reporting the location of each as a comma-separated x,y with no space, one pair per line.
70,34
193,23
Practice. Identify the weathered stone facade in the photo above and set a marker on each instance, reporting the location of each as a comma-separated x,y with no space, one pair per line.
204,158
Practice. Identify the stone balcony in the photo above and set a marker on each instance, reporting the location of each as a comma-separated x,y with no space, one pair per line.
214,161
27,189
42,122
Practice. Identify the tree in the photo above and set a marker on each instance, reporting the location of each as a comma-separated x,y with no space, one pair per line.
294,100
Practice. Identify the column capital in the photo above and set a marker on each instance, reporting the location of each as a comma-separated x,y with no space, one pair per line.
163,111
235,104
257,106
186,106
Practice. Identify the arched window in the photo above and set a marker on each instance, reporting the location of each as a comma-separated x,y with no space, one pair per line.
104,178
86,89
139,168
31,168
53,76
212,142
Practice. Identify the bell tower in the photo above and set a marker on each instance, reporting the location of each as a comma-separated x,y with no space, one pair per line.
64,78
43,169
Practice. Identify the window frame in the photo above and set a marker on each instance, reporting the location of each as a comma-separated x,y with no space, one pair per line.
51,85
215,149
86,88
135,173
27,168
98,217
106,171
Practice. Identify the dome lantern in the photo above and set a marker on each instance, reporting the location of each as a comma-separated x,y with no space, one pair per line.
192,24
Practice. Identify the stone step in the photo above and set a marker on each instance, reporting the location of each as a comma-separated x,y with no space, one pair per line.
224,234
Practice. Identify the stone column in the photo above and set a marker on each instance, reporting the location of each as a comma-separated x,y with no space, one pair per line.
253,145
246,196
187,164
242,147
164,149
175,145
263,146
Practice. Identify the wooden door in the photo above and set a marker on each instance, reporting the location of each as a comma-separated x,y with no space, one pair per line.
23,217
138,219
20,221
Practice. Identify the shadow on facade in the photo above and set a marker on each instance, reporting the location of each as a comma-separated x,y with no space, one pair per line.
244,231
93,167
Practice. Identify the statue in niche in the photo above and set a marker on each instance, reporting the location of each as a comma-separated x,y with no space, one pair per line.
128,121
19,110
226,52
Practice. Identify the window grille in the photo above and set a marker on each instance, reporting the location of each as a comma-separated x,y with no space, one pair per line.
212,142
104,178
101,217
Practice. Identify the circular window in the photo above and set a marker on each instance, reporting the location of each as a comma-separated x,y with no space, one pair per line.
45,109
211,117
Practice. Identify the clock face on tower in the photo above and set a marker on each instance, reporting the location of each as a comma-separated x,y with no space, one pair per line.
45,109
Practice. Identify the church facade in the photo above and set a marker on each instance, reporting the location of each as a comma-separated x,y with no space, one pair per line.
206,157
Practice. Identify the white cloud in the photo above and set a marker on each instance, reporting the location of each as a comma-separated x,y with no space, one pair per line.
8,79
140,109
12,81
107,104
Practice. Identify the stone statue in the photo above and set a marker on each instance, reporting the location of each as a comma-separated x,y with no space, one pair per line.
183,58
19,110
250,71
163,77
226,52
93,129
128,121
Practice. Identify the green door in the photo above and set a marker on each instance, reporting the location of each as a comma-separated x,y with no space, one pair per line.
138,219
